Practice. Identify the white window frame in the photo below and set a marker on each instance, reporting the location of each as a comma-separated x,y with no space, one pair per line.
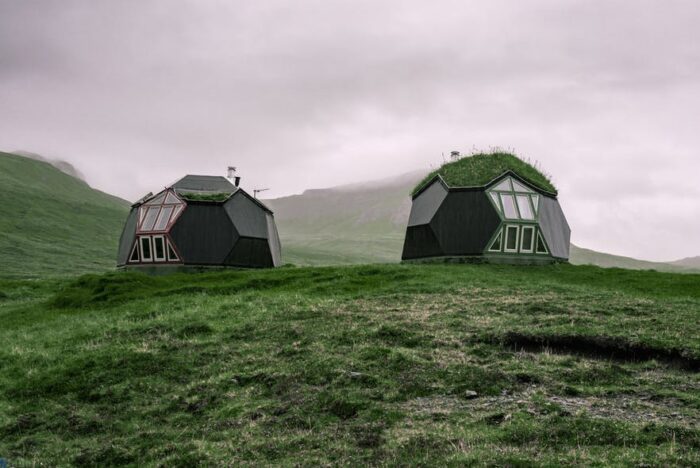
502,196
155,252
169,247
533,239
500,235
517,238
150,249
546,250
136,249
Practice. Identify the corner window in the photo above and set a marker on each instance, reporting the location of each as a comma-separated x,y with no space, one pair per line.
496,244
172,255
134,253
541,247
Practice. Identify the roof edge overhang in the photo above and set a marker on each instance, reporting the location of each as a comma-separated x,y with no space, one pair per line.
477,188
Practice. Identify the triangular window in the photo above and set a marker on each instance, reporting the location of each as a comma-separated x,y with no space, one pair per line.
157,200
504,185
518,187
535,202
134,253
172,256
170,198
496,244
541,247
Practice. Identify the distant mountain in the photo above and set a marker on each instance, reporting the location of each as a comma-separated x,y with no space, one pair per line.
54,223
63,166
366,222
690,262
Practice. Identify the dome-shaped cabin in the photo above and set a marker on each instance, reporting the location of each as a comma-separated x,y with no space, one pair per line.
199,221
487,207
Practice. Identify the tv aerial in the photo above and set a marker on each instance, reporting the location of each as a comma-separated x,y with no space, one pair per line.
257,191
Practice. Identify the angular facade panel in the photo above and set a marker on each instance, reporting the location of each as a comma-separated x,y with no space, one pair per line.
246,215
274,240
204,234
250,252
127,238
420,242
465,223
555,228
426,204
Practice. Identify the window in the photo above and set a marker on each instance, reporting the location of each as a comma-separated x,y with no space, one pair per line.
524,207
134,253
146,249
541,247
163,218
159,248
514,200
172,256
496,244
150,218
518,187
509,206
527,239
511,243
494,197
157,200
172,199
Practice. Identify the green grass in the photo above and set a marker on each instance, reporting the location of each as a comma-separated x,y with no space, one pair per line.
362,365
481,168
52,223
205,197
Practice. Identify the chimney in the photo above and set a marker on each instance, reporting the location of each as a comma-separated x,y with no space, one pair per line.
454,154
237,181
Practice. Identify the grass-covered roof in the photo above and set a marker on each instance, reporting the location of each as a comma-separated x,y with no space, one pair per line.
481,168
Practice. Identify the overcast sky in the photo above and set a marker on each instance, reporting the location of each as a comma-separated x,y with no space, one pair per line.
605,95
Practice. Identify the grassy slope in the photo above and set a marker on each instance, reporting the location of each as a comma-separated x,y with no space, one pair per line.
480,169
380,364
52,223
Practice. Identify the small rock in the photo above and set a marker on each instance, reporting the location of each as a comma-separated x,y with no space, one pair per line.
470,394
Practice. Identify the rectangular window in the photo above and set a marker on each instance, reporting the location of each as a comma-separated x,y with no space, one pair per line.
146,249
511,239
150,218
524,207
527,239
159,248
509,206
163,218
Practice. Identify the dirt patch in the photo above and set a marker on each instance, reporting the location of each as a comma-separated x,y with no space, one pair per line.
600,347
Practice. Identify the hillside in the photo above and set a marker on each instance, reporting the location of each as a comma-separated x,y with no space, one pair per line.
52,223
691,262
376,365
365,223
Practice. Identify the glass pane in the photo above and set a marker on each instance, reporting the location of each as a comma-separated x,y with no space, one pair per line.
527,237
177,211
163,218
518,187
512,238
494,197
157,200
171,253
142,213
524,206
172,199
135,253
496,245
159,248
535,202
541,248
150,219
509,206
504,185
146,248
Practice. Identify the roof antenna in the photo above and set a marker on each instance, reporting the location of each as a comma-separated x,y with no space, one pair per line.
233,177
258,190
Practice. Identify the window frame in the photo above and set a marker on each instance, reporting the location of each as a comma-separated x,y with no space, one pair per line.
532,239
156,258
517,238
544,244
150,249
498,237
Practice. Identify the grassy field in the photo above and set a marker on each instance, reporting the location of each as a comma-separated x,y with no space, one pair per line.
378,364
52,223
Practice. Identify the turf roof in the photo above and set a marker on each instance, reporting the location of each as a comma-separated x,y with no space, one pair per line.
480,169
